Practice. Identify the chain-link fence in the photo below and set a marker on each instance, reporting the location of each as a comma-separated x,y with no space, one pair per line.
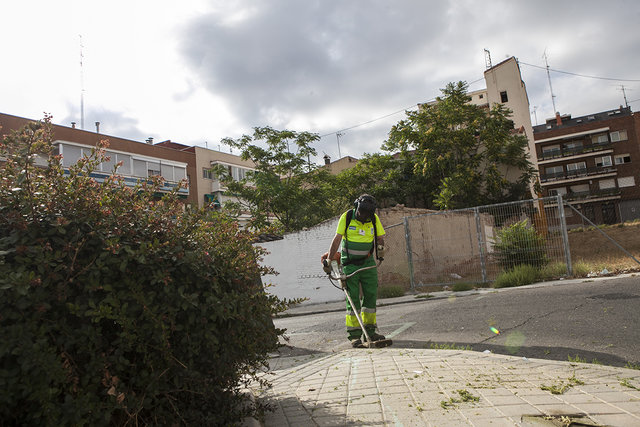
475,245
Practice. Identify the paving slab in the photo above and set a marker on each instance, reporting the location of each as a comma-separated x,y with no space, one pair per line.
407,387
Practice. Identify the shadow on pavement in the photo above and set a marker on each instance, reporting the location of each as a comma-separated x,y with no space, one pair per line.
563,354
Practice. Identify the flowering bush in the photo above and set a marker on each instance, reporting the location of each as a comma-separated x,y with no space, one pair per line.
117,307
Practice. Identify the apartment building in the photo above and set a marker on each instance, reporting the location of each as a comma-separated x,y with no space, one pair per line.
594,162
140,160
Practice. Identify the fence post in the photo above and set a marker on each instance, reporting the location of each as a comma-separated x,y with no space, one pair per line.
407,238
483,264
565,235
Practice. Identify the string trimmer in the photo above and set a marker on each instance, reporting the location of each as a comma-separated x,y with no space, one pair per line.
338,274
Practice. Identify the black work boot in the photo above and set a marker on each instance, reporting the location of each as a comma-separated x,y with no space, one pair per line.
357,343
376,337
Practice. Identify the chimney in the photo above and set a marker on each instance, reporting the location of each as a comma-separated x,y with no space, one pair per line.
327,159
150,140
558,119
73,125
97,127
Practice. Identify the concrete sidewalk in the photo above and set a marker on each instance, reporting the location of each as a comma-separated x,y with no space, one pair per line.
406,387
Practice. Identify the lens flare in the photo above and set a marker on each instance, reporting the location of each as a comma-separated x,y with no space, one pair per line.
495,331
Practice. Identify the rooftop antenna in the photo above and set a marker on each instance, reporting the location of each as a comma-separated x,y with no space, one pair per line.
626,103
81,86
487,59
338,135
553,97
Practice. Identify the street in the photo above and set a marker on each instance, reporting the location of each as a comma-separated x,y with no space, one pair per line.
588,320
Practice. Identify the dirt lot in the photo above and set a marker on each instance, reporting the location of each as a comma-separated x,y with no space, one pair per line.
592,246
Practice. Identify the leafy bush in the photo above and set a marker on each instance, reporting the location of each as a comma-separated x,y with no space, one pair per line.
117,307
519,244
520,275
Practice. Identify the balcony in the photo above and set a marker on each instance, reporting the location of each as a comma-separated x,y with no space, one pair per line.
590,195
566,152
577,173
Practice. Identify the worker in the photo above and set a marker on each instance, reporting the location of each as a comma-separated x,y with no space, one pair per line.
360,232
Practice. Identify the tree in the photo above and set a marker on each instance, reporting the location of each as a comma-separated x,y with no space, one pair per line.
285,185
390,179
466,151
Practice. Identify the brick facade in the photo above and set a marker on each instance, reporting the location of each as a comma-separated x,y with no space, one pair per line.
594,162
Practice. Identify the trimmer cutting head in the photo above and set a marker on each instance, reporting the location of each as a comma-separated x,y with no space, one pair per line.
377,344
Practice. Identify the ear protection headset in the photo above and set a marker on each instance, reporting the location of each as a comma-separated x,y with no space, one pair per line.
365,202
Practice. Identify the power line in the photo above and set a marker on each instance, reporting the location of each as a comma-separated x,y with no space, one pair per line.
580,75
340,132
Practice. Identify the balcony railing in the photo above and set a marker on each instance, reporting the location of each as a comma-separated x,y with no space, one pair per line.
586,195
566,152
576,173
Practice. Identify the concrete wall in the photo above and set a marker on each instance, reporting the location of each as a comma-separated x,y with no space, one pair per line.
442,244
297,259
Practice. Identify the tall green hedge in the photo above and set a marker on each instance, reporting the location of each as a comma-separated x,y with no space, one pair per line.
116,307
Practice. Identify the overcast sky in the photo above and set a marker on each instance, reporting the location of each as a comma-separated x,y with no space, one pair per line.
197,71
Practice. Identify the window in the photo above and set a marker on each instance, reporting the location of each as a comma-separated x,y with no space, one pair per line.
581,188
179,173
167,172
627,181
604,161
504,97
554,170
480,96
619,135
575,145
551,151
125,168
107,165
622,158
139,168
576,166
70,155
207,173
600,139
607,183
556,191
153,168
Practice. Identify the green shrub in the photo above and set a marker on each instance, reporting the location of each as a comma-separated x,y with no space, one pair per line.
519,244
462,286
553,271
391,291
117,307
518,276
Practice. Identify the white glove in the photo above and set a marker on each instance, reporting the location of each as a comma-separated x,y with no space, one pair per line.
380,252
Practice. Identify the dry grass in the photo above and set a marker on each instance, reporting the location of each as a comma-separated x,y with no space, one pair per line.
591,251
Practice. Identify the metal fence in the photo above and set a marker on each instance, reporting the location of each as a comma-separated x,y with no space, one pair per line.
475,245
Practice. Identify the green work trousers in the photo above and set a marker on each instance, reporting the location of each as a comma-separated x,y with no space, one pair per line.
368,281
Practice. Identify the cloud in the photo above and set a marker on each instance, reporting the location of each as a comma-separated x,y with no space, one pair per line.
113,123
287,58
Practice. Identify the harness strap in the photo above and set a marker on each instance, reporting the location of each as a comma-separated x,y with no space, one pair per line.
349,217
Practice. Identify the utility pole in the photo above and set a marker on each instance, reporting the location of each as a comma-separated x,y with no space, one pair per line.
553,97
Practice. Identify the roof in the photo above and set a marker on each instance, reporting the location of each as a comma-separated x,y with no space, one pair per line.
568,121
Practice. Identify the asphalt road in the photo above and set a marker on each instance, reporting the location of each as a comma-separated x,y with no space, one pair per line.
596,321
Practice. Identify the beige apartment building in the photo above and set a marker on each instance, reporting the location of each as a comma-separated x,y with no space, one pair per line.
140,160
